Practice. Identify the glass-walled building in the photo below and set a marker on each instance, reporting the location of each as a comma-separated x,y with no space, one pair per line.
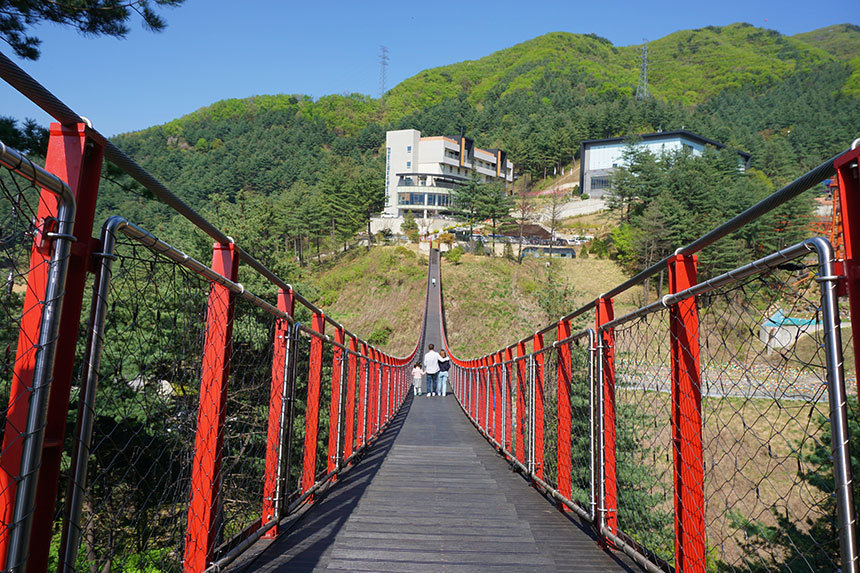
421,172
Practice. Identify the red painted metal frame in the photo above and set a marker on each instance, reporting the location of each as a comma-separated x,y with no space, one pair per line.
522,375
363,395
334,405
605,313
497,403
687,420
848,177
313,403
509,370
201,535
274,439
74,155
349,417
537,346
563,378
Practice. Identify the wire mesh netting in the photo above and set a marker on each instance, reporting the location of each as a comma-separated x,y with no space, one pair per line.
581,420
323,428
769,487
19,204
644,433
548,390
246,419
135,499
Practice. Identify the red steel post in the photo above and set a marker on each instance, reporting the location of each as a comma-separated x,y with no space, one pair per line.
563,376
75,156
537,345
386,388
349,417
334,427
522,376
687,420
481,393
497,404
201,535
605,313
274,440
312,412
362,396
848,178
509,378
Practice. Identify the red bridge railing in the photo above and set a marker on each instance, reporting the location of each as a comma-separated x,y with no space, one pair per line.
187,416
708,430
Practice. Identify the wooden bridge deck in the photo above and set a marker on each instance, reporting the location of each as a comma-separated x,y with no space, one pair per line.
432,495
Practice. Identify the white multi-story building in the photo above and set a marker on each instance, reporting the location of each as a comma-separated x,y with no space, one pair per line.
600,157
421,172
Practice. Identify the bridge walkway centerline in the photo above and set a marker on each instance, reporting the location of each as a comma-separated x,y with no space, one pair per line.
432,495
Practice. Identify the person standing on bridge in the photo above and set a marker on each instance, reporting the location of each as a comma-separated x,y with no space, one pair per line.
431,367
417,374
444,366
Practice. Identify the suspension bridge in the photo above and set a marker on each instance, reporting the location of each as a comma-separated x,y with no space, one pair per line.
162,416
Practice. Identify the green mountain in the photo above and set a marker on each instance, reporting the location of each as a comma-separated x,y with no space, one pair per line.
841,40
313,166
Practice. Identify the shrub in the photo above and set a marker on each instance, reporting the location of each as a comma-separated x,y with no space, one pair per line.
454,255
382,331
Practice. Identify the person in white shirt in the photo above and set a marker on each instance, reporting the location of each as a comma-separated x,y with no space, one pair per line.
431,368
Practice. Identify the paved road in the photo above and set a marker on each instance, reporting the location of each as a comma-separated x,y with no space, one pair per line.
432,495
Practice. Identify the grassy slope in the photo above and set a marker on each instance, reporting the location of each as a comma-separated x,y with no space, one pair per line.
367,292
490,302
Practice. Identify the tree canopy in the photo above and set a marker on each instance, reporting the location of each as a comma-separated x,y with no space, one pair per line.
93,17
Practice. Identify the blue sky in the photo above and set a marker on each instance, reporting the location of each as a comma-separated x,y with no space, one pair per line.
215,49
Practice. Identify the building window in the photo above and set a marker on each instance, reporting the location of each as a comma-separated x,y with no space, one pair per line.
416,198
408,149
600,182
408,164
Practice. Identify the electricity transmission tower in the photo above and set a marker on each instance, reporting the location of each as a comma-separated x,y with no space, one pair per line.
383,62
642,88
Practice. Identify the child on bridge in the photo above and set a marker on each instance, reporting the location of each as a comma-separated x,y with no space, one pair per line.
417,374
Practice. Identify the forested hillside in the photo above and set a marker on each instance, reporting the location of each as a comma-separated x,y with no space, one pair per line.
309,172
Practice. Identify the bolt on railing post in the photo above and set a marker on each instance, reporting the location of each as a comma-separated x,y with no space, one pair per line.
45,352
349,434
687,419
538,404
608,494
280,406
522,414
334,427
206,469
563,377
312,412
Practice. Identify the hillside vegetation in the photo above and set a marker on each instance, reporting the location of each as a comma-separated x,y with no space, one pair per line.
294,178
489,302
